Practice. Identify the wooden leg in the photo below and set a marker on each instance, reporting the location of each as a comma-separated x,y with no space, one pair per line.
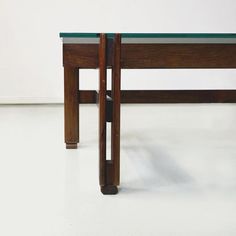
109,169
71,106
115,128
102,112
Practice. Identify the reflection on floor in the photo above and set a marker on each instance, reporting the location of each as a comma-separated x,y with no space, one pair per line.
178,173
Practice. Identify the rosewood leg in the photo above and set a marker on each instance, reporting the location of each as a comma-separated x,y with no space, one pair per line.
109,169
71,106
102,111
115,127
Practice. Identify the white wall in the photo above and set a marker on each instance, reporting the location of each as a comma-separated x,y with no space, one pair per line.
30,49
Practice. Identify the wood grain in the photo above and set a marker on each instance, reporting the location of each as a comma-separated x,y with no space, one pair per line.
80,55
115,94
102,110
71,106
167,96
178,56
134,56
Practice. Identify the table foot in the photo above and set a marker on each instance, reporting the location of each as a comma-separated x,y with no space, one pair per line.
71,145
109,189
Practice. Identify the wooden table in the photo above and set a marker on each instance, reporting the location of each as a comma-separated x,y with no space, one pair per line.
135,51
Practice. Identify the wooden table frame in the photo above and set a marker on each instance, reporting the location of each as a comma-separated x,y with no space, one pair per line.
111,53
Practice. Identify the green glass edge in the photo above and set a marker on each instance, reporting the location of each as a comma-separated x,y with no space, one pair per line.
177,35
79,35
151,35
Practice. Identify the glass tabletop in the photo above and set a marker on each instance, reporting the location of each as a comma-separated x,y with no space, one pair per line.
153,37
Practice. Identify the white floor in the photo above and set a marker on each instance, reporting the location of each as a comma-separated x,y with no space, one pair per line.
178,173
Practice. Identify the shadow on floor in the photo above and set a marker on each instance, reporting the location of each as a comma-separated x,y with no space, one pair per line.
153,168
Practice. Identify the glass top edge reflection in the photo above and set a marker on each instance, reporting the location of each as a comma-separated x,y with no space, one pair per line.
152,35
79,35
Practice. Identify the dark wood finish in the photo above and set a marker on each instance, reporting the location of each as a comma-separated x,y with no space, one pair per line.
71,145
110,52
109,169
71,106
115,94
166,96
179,96
102,110
80,55
109,172
109,108
155,56
88,96
178,56
109,189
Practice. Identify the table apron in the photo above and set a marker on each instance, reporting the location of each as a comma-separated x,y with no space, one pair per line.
162,56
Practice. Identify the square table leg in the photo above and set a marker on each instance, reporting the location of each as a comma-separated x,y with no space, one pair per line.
71,106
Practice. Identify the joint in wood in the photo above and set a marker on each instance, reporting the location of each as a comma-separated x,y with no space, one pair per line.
97,97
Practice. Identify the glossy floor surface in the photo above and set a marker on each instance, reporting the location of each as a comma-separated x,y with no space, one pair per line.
178,173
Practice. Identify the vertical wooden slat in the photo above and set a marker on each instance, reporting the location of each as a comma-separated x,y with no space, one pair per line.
102,109
71,106
115,128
